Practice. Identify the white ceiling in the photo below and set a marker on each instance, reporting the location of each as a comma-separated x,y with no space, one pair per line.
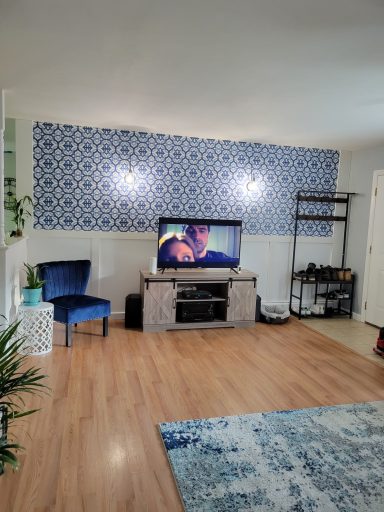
295,72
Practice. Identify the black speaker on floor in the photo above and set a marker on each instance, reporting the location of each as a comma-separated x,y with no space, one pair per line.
133,310
258,305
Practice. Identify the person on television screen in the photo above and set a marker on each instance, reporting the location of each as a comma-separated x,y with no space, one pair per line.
200,235
176,247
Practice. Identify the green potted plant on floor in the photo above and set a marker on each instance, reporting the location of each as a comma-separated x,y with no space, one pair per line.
16,379
19,208
32,291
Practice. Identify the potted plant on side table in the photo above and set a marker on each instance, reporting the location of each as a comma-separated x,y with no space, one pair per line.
16,379
32,292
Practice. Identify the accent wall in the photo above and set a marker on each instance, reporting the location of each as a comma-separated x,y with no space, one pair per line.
79,181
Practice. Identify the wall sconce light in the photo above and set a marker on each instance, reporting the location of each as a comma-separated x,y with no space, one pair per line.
252,185
129,177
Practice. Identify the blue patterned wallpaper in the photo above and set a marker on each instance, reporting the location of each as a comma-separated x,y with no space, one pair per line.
79,180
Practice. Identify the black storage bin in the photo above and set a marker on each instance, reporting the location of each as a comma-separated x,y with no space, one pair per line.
133,310
258,306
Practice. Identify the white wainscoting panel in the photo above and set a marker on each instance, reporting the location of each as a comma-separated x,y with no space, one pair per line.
117,258
254,257
120,263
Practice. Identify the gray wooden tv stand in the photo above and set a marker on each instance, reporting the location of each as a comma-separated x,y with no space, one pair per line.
233,298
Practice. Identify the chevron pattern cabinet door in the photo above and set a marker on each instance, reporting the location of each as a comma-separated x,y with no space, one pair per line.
159,306
242,301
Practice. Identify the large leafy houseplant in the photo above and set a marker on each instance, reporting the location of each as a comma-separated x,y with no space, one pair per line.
19,208
16,379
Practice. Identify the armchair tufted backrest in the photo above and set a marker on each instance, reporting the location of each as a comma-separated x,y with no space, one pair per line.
64,277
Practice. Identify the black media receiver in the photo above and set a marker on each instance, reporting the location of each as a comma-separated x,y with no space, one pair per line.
195,312
196,294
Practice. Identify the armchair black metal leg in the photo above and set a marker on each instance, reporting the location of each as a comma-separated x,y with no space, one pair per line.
105,326
68,335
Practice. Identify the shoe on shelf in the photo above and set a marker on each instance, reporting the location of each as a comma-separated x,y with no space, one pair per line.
302,275
311,268
335,273
340,274
347,274
317,309
311,271
325,274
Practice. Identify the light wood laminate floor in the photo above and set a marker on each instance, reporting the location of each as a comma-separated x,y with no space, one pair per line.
94,446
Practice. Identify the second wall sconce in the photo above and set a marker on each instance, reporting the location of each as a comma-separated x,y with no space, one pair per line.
252,185
129,177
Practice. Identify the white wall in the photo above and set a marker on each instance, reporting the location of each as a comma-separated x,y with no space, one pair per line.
24,162
363,165
11,262
117,257
13,256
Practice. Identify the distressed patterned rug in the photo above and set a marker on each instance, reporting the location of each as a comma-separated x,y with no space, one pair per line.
322,459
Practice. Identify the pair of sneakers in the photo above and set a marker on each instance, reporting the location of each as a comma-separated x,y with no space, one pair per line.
308,274
303,275
344,274
341,294
328,273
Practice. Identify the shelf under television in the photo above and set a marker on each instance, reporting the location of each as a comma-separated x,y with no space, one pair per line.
212,299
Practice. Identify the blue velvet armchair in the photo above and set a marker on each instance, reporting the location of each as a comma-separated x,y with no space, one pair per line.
64,286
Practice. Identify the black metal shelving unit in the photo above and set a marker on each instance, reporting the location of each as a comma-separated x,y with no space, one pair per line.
330,197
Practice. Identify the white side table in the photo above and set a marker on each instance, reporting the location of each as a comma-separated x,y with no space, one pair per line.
36,323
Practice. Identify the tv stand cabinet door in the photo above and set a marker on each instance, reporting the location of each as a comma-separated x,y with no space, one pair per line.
241,301
159,303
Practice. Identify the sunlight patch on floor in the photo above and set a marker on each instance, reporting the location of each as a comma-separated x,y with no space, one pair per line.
358,336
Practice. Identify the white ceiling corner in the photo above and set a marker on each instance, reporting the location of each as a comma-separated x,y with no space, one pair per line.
294,72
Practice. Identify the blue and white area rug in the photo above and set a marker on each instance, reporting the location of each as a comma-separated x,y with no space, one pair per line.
322,459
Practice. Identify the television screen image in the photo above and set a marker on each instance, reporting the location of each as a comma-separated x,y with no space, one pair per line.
210,243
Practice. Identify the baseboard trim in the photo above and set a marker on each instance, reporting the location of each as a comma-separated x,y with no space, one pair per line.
120,315
117,316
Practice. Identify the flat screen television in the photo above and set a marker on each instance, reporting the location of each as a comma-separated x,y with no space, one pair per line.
193,243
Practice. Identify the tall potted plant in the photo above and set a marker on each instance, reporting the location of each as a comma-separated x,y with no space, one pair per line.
32,291
19,208
16,379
